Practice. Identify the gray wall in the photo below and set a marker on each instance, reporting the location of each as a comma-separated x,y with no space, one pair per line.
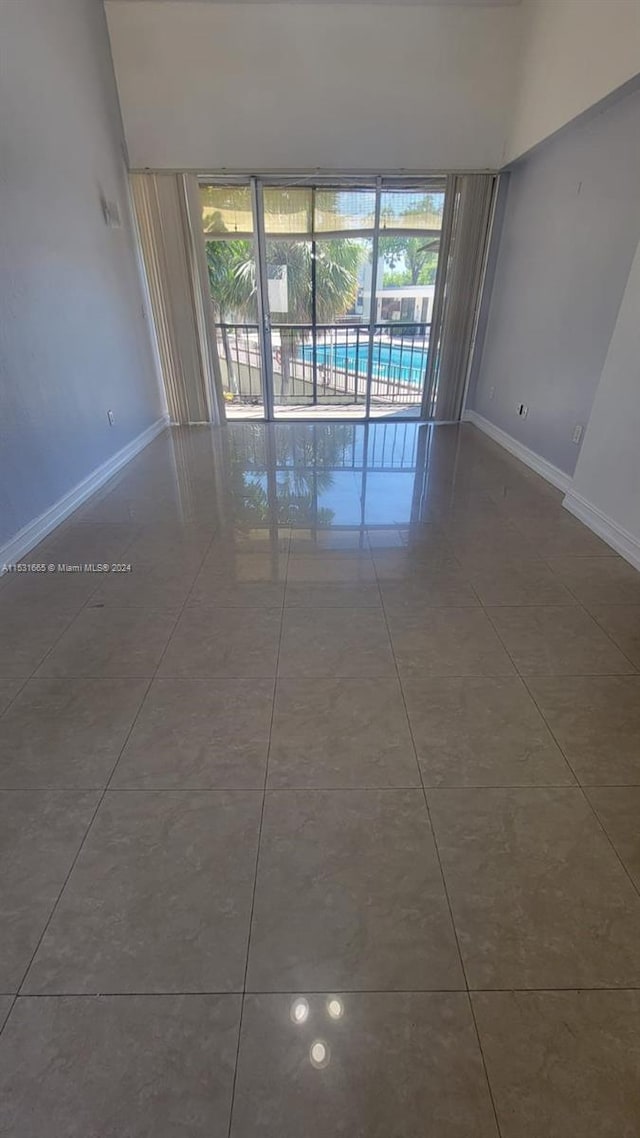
569,233
607,476
73,338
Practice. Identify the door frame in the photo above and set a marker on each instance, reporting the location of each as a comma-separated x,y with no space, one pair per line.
379,183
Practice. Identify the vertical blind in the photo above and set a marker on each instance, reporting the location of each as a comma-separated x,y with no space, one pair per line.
452,340
170,260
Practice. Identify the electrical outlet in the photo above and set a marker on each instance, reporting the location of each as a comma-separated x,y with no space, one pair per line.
492,393
523,410
577,433
111,417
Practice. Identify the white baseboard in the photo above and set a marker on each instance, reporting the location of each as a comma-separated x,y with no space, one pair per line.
616,536
545,469
31,534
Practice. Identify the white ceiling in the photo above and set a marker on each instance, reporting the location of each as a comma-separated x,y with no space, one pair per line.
408,3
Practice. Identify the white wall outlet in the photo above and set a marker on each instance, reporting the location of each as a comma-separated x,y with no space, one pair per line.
492,393
577,433
111,417
523,410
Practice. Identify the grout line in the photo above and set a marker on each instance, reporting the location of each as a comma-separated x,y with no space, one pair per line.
583,790
91,820
441,867
258,844
237,992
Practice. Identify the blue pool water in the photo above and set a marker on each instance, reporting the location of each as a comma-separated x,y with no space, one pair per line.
403,364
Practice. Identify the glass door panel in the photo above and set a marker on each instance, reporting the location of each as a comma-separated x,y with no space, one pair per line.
324,297
319,247
229,236
408,255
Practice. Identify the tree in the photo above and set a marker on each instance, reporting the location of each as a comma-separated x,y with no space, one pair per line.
415,259
225,261
232,278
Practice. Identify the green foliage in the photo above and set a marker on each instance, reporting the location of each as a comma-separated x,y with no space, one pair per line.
414,260
232,278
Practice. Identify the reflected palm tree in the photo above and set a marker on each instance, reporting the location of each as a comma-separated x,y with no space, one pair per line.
285,474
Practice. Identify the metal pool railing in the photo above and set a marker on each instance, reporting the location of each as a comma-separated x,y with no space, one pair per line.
327,364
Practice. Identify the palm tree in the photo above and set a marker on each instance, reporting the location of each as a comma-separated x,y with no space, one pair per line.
228,295
232,277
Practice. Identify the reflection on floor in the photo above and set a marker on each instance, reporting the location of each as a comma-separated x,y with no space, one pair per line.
322,819
305,412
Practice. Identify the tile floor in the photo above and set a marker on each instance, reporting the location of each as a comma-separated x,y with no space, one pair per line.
323,818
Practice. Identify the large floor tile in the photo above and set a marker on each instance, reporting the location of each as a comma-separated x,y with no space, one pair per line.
111,642
476,731
58,589
444,587
195,734
562,536
225,643
349,896
77,543
557,641
447,642
337,594
622,624
106,1067
395,1064
27,633
501,582
5,1008
40,834
66,733
341,733
596,721
330,542
479,537
335,642
8,691
225,592
167,543
324,569
618,808
599,580
562,1063
161,585
539,898
159,899
411,563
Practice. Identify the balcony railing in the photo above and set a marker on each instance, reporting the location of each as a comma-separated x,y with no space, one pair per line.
327,365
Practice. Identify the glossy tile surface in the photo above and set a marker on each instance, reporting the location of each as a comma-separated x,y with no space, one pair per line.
557,641
158,900
192,734
618,808
596,721
340,733
40,835
66,733
112,1066
538,896
473,731
622,625
412,1057
562,1063
349,895
365,703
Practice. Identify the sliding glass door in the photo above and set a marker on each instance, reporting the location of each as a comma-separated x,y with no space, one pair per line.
229,231
325,297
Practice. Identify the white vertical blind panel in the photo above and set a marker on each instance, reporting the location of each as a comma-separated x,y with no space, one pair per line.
472,210
163,228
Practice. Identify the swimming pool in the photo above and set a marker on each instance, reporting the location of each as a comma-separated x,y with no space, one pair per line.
403,364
